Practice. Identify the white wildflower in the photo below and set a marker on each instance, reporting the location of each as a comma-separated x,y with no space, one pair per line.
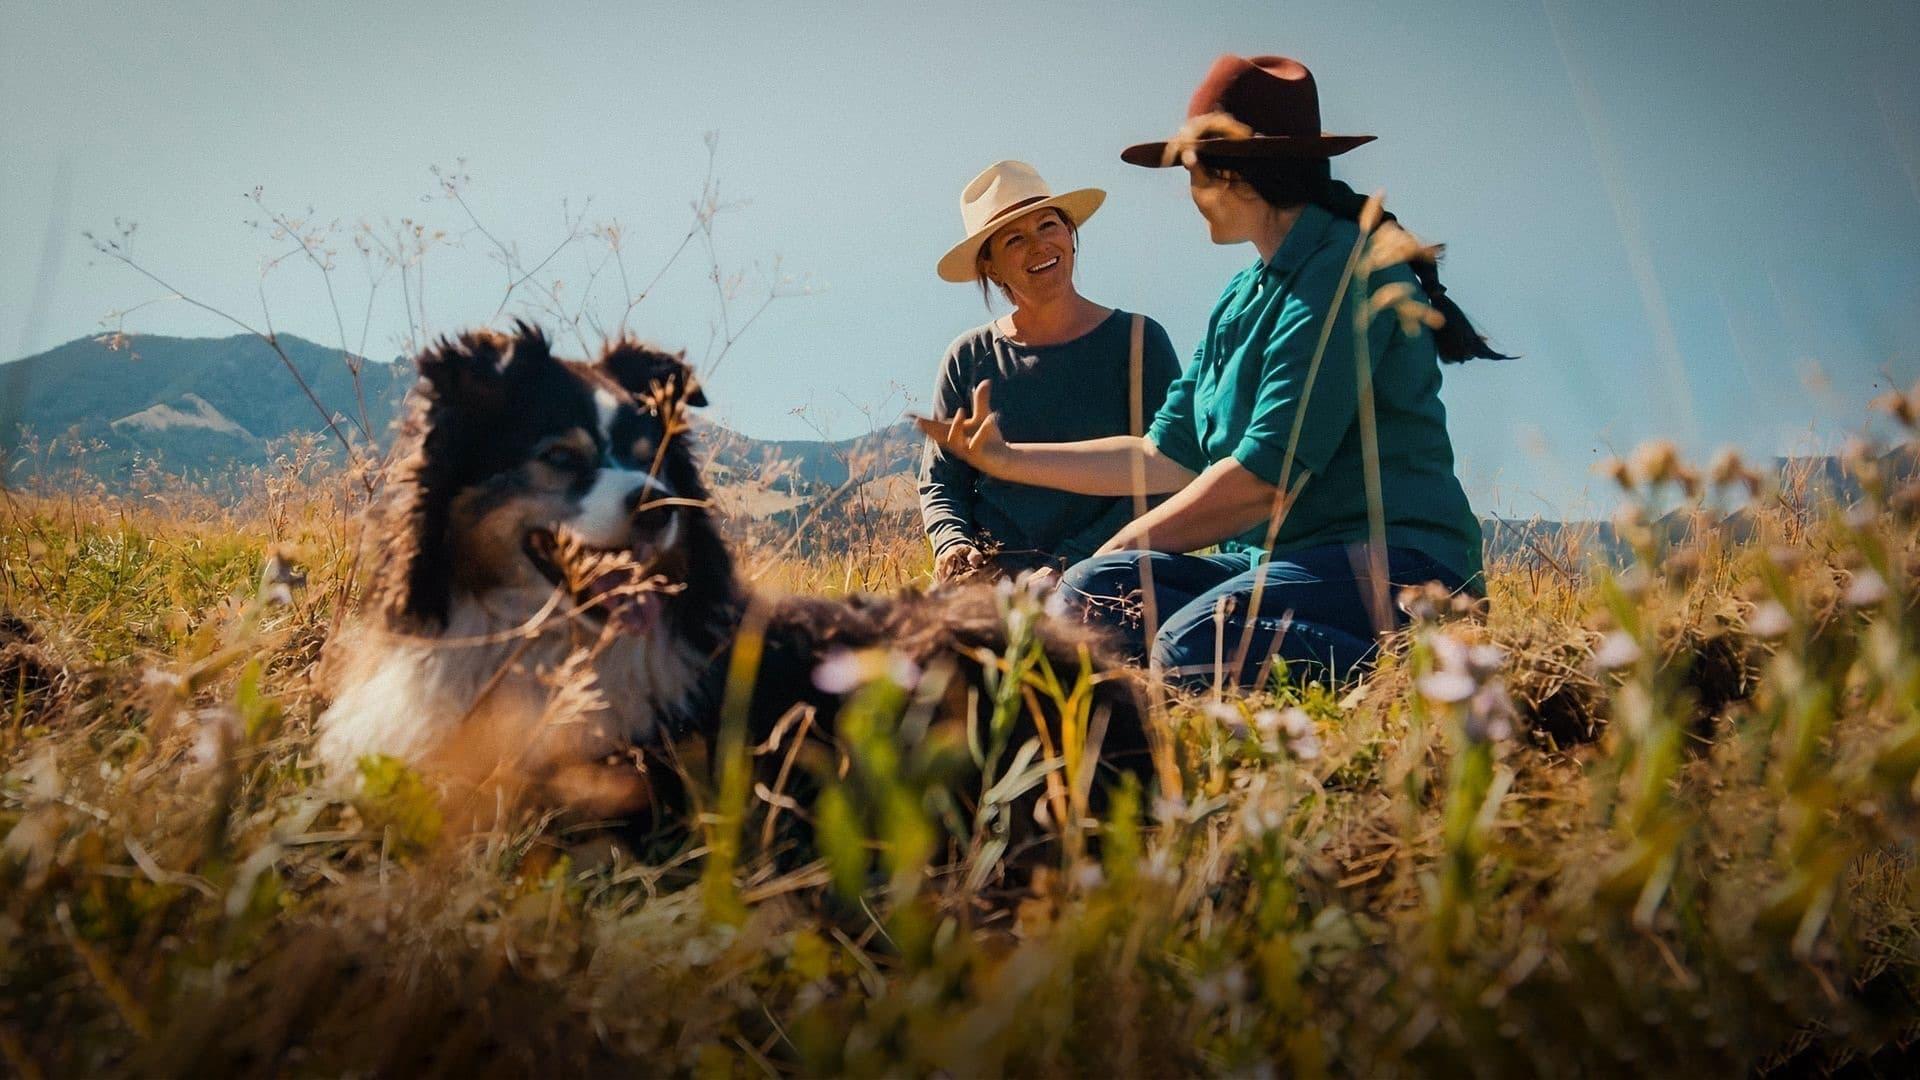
1168,809
1160,867
1056,605
1867,589
1617,650
1221,988
846,670
1485,661
841,672
1446,687
1306,747
1770,621
1228,717
1290,729
1491,716
1088,876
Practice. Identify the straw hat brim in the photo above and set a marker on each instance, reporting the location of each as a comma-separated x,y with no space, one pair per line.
1153,154
957,265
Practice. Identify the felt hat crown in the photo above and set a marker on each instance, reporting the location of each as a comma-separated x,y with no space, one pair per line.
1272,98
1004,191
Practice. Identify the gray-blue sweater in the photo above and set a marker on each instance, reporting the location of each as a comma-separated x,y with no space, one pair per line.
1047,393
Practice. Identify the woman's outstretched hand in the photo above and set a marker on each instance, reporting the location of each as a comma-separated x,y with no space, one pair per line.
972,435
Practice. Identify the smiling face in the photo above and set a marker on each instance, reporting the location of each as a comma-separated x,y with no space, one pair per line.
1031,257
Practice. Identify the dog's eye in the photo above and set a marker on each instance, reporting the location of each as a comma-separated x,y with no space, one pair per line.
564,458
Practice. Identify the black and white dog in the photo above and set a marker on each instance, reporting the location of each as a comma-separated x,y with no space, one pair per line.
549,593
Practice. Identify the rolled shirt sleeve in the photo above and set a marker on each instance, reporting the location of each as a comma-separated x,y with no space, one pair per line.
1175,430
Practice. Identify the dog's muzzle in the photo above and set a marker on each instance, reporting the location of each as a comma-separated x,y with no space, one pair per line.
609,556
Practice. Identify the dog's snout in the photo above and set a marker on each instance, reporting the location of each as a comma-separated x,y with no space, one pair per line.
650,508
622,506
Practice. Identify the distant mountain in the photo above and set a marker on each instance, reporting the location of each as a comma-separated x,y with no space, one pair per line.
200,406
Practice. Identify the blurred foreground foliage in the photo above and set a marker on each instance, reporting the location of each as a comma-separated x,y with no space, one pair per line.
1654,819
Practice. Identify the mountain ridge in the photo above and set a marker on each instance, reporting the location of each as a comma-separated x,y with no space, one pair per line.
200,405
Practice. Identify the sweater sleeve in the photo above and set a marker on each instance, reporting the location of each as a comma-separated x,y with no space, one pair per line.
947,484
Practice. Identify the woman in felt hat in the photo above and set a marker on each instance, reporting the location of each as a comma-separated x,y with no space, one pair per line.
1314,456
1059,367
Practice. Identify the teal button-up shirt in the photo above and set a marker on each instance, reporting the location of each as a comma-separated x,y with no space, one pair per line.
1253,385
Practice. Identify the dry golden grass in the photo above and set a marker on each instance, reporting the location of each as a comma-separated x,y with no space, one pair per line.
1666,823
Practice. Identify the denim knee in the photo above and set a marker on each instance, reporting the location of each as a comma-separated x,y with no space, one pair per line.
1112,575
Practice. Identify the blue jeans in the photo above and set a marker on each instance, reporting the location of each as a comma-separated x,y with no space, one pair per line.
1313,614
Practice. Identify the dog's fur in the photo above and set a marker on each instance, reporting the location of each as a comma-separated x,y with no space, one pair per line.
489,658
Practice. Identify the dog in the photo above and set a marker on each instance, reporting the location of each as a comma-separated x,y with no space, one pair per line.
550,599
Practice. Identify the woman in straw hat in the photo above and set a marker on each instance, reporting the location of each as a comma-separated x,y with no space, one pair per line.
1059,368
1315,456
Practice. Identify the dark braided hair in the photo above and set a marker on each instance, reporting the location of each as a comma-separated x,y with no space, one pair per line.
1290,182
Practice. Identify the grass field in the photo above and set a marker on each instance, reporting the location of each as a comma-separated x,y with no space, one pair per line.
1654,821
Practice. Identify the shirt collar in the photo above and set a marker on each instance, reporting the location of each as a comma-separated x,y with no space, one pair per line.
1301,241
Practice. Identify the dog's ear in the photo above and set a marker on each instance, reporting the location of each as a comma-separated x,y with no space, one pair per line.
469,371
646,372
463,389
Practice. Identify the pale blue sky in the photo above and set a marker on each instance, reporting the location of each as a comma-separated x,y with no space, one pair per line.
1692,219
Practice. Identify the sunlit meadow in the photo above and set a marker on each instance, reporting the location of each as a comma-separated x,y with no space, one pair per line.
1653,817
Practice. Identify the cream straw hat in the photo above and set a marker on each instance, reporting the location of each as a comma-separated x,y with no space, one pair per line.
1006,190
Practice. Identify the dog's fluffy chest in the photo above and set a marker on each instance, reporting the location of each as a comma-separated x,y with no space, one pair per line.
482,693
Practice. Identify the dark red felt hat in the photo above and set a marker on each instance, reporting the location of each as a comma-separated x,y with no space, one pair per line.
1272,95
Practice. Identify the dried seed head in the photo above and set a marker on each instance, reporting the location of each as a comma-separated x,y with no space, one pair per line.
1861,460
1902,407
1424,603
1370,213
1392,245
1654,462
1185,144
1616,469
1727,468
1689,480
280,578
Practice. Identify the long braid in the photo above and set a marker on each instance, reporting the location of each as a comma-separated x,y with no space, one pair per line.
1456,340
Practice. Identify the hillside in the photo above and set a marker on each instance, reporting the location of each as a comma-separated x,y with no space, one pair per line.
201,406
198,405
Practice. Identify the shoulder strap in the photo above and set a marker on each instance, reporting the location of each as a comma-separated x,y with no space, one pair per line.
1136,376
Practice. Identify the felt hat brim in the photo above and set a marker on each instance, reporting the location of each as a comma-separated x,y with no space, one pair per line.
958,264
1153,155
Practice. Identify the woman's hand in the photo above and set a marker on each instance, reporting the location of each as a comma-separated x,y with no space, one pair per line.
972,435
958,563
